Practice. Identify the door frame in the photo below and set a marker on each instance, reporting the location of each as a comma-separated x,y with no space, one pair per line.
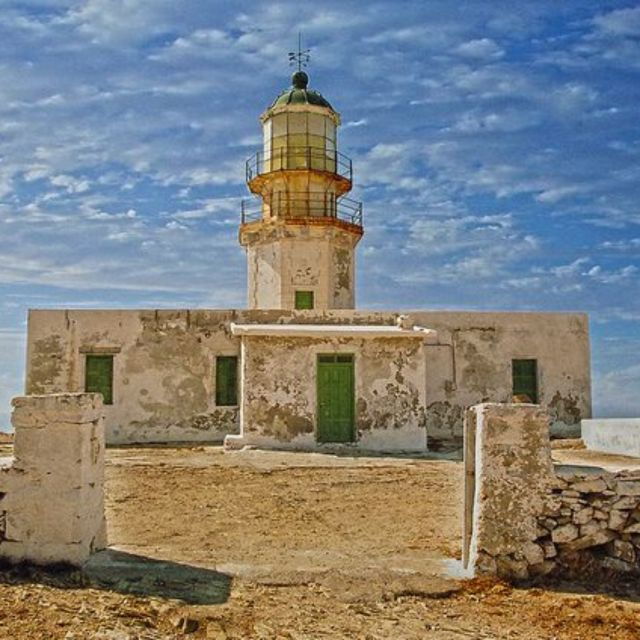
353,431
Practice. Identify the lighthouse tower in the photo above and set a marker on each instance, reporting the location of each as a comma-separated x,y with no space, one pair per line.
301,231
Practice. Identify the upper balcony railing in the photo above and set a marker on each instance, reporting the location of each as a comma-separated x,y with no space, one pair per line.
286,205
291,158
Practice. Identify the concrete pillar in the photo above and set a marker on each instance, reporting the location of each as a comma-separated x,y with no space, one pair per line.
53,491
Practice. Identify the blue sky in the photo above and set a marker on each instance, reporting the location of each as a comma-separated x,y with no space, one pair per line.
495,145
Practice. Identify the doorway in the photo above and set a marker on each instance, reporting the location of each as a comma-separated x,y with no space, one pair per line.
335,398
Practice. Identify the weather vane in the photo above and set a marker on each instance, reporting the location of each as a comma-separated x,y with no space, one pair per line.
300,57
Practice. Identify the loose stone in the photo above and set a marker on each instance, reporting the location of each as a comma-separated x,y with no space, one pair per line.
565,533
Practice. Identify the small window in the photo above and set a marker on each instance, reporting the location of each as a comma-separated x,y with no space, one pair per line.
226,381
525,380
98,376
304,299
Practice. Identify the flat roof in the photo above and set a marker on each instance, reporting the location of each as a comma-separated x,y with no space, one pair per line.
322,330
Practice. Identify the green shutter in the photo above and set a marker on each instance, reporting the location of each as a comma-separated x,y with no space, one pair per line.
304,299
525,378
226,381
99,376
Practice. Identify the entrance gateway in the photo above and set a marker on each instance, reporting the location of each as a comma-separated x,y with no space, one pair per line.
335,398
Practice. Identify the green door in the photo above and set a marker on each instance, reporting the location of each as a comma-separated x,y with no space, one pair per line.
335,398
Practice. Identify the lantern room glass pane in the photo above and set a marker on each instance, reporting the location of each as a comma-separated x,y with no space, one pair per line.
279,125
297,123
330,131
278,153
317,125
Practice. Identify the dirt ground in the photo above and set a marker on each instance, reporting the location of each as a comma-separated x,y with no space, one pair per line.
297,546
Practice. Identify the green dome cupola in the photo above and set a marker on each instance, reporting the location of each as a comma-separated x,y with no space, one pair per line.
298,93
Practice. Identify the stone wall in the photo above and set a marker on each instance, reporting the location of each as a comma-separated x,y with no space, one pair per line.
52,490
613,435
523,518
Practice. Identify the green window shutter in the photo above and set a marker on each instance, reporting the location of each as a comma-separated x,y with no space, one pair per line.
525,378
226,381
304,299
99,376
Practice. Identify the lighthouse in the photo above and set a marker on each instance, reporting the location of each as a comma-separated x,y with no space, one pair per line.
300,230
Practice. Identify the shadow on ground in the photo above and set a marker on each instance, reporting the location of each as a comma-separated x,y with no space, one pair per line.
142,576
129,574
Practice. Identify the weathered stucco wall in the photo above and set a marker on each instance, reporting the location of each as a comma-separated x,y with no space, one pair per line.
473,365
52,491
523,518
164,364
163,368
613,435
283,258
279,406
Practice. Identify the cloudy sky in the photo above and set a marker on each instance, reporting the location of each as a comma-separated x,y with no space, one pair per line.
495,144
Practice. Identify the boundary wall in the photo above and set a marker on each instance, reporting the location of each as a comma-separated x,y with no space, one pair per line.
613,435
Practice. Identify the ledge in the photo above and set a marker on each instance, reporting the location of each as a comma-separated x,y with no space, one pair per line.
331,330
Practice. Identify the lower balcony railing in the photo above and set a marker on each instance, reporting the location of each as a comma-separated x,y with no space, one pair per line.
292,205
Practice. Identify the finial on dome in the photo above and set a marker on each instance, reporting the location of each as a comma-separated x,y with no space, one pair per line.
300,80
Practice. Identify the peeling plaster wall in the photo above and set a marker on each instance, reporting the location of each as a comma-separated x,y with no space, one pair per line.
284,258
473,365
279,391
263,270
163,368
164,364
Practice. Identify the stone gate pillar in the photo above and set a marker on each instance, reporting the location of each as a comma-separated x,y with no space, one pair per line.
507,481
52,492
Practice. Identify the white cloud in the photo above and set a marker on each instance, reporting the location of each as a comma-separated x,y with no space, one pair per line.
628,244
482,49
506,121
355,123
615,276
616,393
555,194
621,22
71,184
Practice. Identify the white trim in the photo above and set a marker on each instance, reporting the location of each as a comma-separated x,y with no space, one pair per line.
331,330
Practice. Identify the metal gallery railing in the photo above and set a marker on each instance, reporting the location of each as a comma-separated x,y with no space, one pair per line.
287,205
288,158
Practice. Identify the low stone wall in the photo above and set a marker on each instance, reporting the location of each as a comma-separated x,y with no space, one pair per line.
613,435
525,519
52,490
596,514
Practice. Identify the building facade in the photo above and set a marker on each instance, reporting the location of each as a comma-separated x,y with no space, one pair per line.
301,368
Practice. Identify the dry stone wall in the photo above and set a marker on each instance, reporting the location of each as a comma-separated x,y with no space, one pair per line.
525,519
52,490
591,520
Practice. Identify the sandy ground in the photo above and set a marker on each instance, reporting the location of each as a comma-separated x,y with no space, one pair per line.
298,546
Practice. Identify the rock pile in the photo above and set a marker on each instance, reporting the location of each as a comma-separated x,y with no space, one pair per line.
588,520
